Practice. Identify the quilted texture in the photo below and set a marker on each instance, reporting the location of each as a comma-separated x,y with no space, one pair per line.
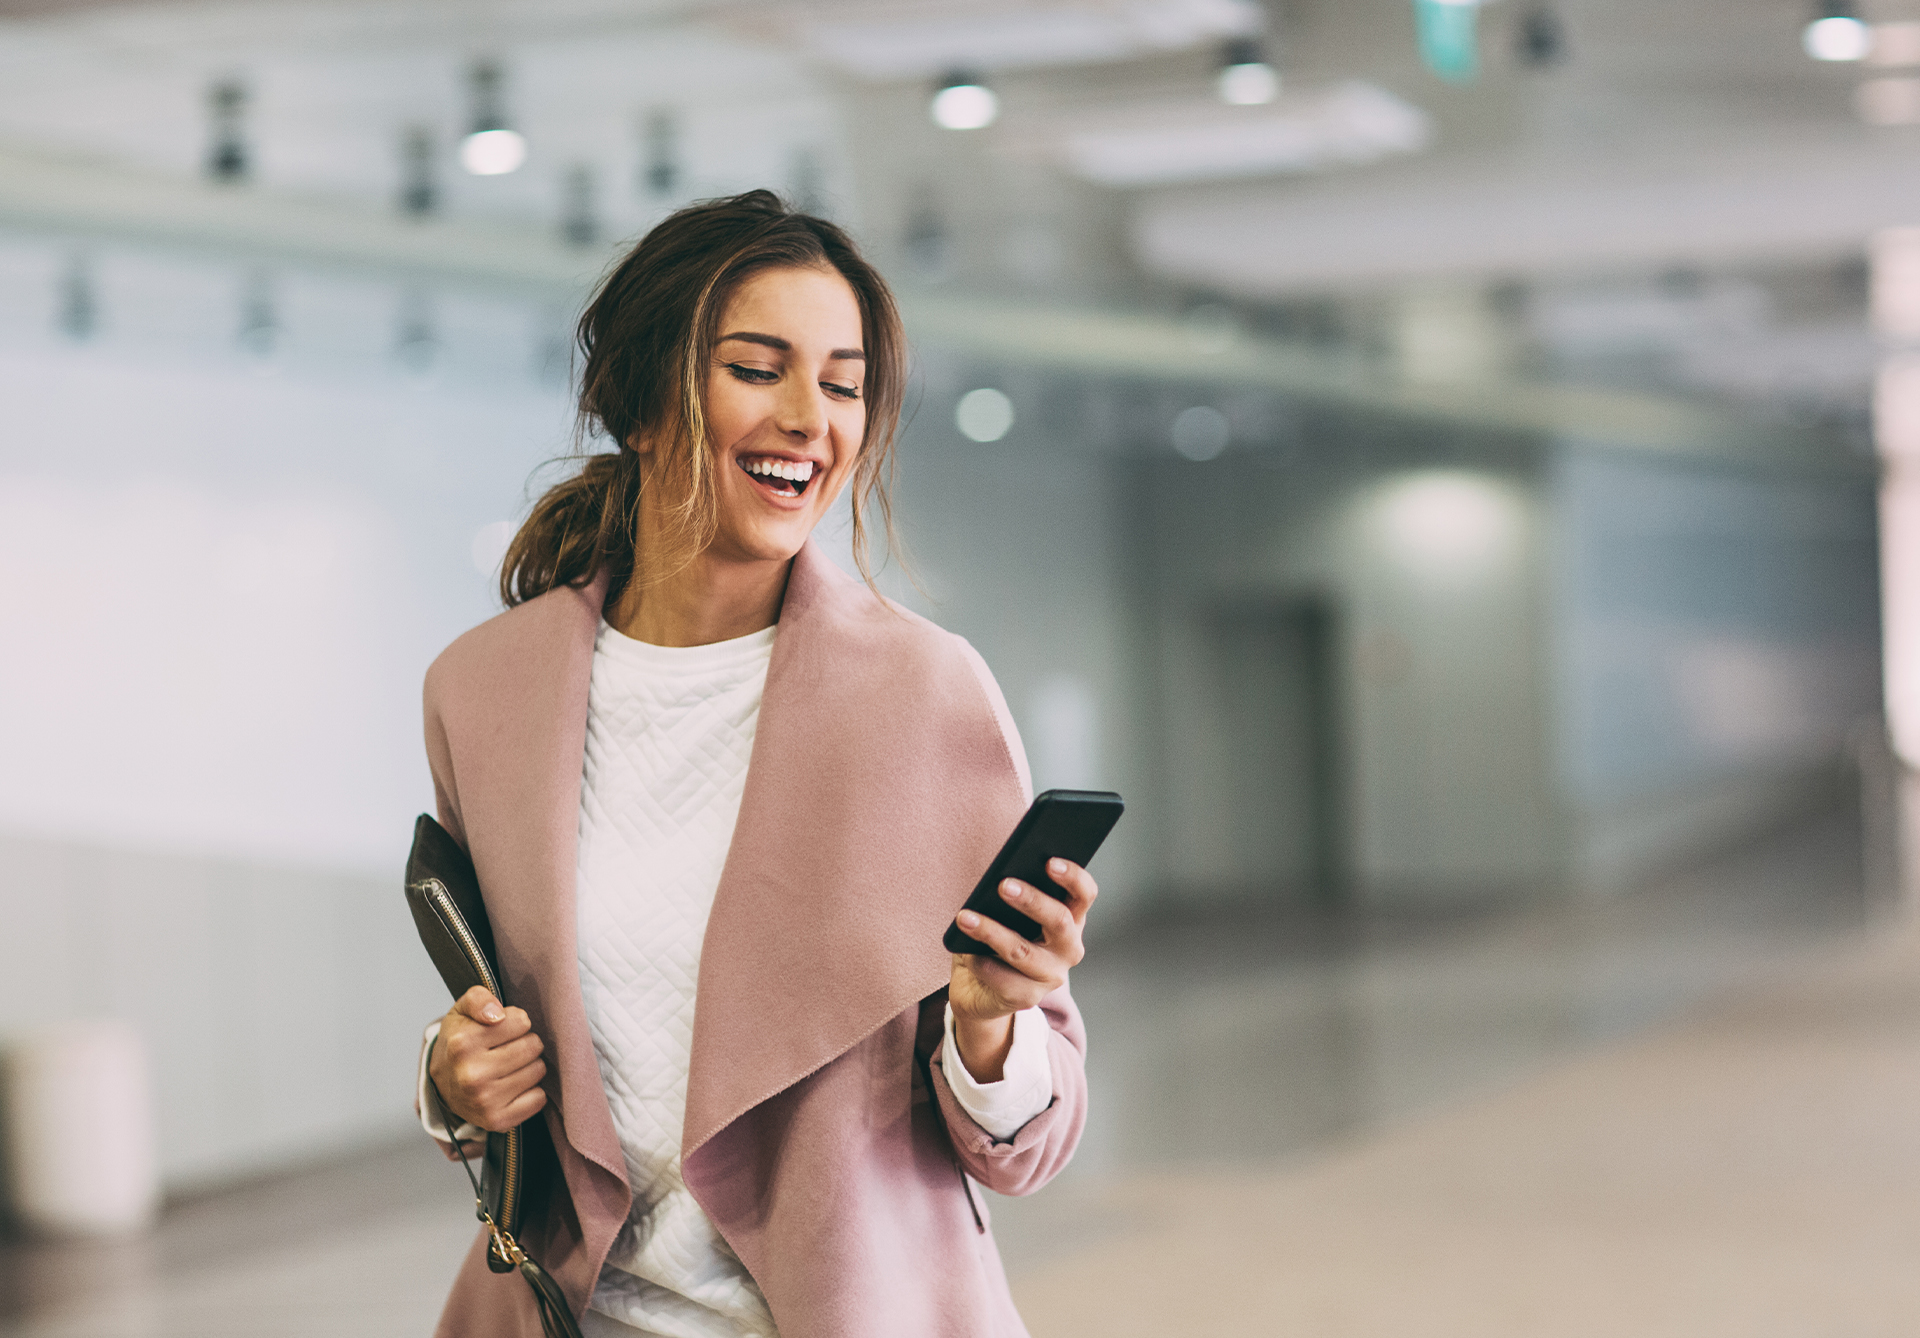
669,734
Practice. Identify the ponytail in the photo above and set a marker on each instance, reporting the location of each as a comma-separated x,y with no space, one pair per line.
579,527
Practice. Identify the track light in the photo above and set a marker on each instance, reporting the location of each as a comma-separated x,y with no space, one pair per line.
490,149
1836,33
661,171
1245,78
1540,39
418,193
963,102
227,158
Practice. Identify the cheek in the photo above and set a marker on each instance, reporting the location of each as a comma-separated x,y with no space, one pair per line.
849,427
731,413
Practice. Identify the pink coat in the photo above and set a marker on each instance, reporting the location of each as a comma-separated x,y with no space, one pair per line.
886,771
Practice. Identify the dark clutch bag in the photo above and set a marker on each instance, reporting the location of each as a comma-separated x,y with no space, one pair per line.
443,892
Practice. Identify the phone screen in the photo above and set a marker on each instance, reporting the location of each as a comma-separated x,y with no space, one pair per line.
1060,824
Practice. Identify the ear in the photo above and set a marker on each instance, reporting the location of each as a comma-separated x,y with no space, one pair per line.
640,444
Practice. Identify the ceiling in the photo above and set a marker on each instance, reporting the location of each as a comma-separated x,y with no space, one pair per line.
1671,130
1673,134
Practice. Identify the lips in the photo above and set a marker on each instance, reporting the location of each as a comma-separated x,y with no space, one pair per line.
782,478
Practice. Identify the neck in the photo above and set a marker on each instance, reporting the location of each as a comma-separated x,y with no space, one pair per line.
710,599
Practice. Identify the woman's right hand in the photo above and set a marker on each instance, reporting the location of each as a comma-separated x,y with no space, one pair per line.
486,1063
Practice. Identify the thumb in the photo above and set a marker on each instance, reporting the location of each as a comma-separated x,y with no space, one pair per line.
479,1004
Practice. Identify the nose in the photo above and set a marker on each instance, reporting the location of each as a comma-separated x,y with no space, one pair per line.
802,413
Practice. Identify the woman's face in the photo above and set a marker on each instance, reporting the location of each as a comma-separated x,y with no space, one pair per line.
785,408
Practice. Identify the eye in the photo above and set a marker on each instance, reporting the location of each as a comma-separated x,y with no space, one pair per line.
841,392
753,376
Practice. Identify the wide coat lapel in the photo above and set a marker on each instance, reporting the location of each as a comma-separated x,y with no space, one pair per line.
884,775
514,713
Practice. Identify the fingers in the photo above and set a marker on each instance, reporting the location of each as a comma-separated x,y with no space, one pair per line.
462,1031
488,1073
1077,883
509,1101
501,1103
479,1004
1057,925
1035,961
985,987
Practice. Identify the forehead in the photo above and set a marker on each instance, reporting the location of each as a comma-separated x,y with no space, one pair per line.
807,307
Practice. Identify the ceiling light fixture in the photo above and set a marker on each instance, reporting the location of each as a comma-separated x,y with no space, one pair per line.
963,102
418,193
491,149
228,158
984,415
1540,39
1245,78
1837,33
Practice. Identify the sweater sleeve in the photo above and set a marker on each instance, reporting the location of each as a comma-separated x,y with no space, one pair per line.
1044,1144
428,1109
1025,1087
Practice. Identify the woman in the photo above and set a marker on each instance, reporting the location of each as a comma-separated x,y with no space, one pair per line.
724,801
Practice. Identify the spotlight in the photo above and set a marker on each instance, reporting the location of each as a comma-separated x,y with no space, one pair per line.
984,415
1246,79
1201,432
491,149
963,102
1837,33
493,153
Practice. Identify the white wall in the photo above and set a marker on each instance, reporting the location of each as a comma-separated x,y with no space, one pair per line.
226,575
1717,634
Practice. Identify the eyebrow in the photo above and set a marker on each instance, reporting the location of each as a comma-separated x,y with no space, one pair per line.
775,341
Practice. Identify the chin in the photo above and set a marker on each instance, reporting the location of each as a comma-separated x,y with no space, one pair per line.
766,543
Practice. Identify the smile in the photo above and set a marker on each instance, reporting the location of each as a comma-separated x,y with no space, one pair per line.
782,478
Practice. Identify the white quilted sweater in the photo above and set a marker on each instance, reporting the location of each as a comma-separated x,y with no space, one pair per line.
669,731
669,734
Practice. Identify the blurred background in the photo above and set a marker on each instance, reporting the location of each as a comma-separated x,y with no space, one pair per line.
1441,461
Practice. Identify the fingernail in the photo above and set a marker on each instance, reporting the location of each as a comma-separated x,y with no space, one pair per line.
1010,889
491,1013
968,919
1056,867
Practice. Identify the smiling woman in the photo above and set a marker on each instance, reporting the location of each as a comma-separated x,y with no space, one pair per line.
695,762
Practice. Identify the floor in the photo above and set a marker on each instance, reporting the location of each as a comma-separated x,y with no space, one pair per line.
1694,1110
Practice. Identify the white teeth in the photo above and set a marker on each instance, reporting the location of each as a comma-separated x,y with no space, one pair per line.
796,472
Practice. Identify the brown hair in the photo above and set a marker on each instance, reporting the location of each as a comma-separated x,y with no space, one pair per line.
644,342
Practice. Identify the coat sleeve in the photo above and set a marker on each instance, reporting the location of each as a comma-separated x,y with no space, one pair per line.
1045,1143
446,799
446,809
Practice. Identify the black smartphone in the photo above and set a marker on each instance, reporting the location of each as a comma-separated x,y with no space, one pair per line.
1060,824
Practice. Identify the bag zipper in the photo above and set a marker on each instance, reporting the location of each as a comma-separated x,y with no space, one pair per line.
456,924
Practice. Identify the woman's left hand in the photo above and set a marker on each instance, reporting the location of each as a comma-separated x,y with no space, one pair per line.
986,992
